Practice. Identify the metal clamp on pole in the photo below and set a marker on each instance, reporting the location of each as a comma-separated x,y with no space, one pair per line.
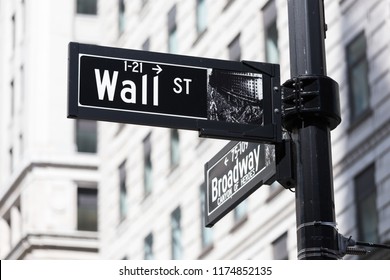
317,223
318,230
310,98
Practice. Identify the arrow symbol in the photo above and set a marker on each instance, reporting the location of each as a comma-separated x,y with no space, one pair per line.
158,69
226,161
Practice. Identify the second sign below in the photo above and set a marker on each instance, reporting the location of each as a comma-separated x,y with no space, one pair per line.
234,173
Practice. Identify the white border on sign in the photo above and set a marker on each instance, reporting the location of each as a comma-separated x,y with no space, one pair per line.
207,181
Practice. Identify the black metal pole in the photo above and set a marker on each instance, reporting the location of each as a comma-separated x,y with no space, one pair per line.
311,117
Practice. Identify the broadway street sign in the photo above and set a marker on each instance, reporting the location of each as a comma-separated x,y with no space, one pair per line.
233,174
221,99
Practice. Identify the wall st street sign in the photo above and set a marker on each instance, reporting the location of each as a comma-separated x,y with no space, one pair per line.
234,173
221,99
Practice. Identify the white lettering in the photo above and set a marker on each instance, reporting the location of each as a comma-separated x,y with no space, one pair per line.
243,167
230,179
243,171
235,173
144,89
187,81
225,197
177,82
250,161
257,156
222,184
155,91
131,89
106,85
214,189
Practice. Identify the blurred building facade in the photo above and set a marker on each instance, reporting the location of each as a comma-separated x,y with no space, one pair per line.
48,164
149,203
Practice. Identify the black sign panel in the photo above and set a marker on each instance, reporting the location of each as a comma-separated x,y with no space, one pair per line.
127,85
222,99
234,173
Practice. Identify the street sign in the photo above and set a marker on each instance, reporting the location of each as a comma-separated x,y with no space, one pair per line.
221,99
234,173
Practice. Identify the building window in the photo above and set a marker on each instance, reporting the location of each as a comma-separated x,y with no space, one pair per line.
271,32
13,20
23,12
9,230
148,168
235,49
279,248
228,4
121,16
86,136
172,31
175,148
11,160
359,88
146,45
122,191
21,145
206,233
144,3
12,89
87,7
241,211
366,210
87,218
22,85
148,247
16,216
176,242
201,16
